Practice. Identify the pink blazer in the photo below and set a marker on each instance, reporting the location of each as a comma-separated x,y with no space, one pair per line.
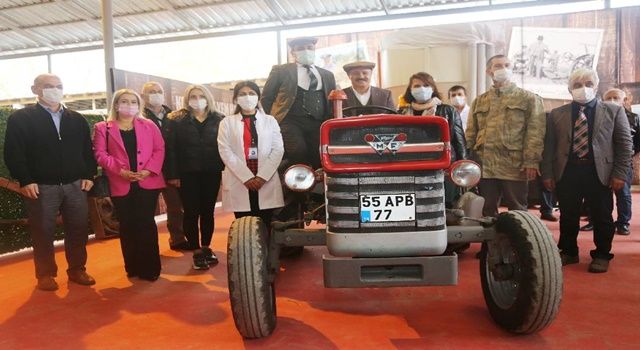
150,154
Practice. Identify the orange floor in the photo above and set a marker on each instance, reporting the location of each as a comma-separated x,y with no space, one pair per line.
185,309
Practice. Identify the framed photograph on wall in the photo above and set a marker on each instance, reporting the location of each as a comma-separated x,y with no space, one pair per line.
543,58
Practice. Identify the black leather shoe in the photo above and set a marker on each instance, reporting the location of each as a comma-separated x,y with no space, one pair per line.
587,227
623,230
548,217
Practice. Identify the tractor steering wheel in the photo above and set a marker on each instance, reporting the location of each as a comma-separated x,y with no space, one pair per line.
369,109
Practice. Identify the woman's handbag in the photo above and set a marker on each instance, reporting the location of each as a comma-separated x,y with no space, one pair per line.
100,187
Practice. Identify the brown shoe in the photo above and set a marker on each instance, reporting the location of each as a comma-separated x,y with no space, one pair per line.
81,277
569,259
599,265
47,283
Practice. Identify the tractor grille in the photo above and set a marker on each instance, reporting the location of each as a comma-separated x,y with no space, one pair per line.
343,200
416,134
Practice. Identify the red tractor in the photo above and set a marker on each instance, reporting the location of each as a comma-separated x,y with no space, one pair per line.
387,226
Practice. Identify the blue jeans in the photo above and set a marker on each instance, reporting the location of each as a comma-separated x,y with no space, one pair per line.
623,201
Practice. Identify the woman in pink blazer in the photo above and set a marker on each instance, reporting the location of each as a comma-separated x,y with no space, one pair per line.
130,150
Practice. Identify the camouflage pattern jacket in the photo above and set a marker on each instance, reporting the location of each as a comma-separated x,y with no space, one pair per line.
505,132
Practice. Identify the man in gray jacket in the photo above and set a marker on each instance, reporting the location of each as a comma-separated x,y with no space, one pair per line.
587,154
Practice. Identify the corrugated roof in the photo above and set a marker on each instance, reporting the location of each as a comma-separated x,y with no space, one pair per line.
48,26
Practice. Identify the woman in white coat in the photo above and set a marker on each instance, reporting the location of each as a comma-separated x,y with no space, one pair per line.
250,145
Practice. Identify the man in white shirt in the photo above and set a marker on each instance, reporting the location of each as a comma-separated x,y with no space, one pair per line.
361,93
296,94
458,99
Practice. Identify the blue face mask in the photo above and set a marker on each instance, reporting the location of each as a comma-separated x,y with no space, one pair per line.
422,94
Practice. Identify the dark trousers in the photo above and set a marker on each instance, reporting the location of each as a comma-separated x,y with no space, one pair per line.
580,182
172,200
514,194
623,201
138,232
71,202
301,137
199,191
265,215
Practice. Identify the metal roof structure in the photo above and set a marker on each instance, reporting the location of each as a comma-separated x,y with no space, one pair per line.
38,27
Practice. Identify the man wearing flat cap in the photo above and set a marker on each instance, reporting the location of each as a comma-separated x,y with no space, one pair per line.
296,94
361,93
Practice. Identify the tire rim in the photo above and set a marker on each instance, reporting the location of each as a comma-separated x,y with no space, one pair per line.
504,291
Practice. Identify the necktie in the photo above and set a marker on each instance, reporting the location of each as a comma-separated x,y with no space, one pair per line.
313,81
250,139
581,135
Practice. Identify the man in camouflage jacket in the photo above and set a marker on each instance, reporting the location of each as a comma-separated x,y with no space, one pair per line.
505,134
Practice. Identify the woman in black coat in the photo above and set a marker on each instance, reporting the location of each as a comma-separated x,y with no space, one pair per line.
193,164
423,98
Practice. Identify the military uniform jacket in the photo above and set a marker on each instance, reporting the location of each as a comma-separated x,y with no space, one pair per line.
505,132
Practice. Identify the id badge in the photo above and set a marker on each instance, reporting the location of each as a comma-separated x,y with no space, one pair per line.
253,153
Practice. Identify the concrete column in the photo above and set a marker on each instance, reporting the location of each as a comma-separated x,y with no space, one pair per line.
481,61
473,72
107,38
491,51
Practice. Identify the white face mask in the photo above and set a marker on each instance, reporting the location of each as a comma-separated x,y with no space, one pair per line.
615,102
52,95
127,111
583,94
422,94
305,56
156,99
199,104
502,75
247,102
458,101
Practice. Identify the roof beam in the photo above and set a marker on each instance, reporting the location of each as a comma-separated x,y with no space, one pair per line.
384,6
238,30
169,7
274,6
15,27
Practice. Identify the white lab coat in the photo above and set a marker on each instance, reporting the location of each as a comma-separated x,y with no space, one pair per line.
235,196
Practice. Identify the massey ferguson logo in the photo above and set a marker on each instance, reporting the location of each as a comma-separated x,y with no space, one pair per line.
383,142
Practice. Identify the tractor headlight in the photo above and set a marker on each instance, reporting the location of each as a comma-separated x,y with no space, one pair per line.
465,173
299,178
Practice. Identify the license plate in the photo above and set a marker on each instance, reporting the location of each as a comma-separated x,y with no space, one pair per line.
387,207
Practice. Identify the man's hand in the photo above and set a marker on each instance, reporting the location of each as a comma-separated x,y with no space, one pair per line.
174,182
549,184
86,185
531,173
616,184
30,191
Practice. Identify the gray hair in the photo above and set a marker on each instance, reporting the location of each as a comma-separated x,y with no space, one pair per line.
614,91
582,74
